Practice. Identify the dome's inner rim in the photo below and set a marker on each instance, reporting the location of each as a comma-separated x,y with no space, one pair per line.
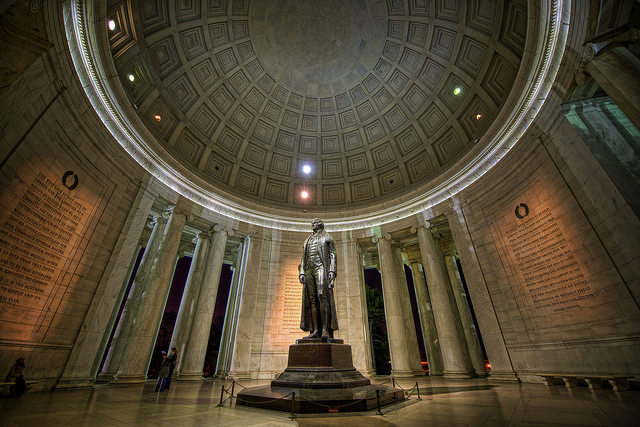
106,105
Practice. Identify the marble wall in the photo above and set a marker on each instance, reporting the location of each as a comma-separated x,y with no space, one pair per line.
563,302
272,317
549,249
70,220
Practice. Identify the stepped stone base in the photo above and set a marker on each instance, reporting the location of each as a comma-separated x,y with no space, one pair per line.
321,374
357,399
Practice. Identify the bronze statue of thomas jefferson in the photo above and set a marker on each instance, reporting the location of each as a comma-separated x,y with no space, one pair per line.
317,274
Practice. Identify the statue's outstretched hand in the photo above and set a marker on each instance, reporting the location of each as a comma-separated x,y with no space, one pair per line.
332,277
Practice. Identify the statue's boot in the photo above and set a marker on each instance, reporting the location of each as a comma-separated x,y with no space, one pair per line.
314,319
324,310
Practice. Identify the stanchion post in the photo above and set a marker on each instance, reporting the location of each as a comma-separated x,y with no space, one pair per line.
233,387
378,398
293,401
418,388
393,381
221,394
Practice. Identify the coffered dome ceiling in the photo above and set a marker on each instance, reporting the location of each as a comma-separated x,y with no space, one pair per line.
381,98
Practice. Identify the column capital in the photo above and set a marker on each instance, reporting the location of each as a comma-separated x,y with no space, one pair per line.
427,226
157,219
175,209
452,253
385,236
632,35
220,228
201,235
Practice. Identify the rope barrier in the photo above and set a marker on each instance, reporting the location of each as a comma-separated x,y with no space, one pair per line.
412,389
302,399
396,385
265,401
222,390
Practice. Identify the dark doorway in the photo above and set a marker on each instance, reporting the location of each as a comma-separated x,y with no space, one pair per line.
377,322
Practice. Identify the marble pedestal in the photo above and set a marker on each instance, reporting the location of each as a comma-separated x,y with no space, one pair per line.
321,374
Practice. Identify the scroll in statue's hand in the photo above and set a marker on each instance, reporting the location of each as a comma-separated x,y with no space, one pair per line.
332,277
303,279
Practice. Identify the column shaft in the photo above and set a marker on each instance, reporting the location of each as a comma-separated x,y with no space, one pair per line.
452,346
190,294
468,325
400,364
241,363
429,333
135,359
413,350
195,352
227,340
93,337
123,329
616,70
357,324
488,323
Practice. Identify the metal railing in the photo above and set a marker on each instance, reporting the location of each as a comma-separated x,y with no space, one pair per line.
231,390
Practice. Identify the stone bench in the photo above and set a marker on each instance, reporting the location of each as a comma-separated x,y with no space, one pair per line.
592,381
5,385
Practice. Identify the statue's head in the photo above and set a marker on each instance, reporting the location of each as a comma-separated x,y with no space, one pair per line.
317,224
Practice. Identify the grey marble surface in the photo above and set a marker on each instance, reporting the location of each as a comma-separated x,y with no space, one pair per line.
476,402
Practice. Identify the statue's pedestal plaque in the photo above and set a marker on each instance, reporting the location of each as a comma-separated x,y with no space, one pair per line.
322,375
317,364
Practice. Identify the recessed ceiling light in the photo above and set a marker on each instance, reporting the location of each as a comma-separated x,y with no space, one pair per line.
131,77
306,169
304,194
112,24
157,117
457,91
479,116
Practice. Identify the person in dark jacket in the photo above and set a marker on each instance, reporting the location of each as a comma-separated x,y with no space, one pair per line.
173,358
162,373
16,375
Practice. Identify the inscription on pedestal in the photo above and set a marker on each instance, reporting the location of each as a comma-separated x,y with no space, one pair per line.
35,241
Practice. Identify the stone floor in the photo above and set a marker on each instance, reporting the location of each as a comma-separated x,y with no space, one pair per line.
475,402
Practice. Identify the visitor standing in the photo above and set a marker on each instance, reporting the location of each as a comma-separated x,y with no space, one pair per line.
172,359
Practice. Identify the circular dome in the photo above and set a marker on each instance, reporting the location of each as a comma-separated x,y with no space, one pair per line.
309,42
386,101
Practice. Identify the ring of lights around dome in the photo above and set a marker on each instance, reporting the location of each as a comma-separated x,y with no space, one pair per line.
553,28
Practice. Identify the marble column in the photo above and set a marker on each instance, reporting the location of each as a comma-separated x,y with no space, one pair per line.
468,325
241,362
413,350
357,322
190,294
429,333
123,329
91,341
143,335
492,337
400,362
452,345
195,352
227,339
616,69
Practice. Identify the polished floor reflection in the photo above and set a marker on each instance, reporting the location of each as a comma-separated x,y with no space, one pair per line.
475,402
